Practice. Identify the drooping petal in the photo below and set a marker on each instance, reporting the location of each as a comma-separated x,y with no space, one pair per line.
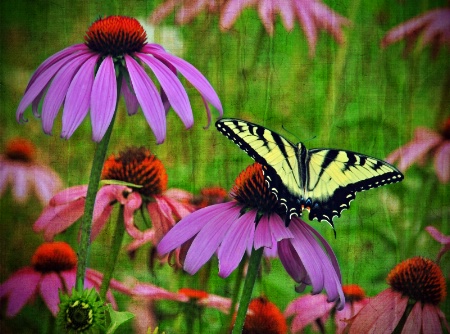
154,293
186,228
231,11
307,23
267,15
291,261
413,323
69,195
306,310
172,87
381,314
19,289
148,97
430,319
263,234
287,13
209,238
46,182
39,84
442,162
48,288
78,98
58,90
194,77
233,246
21,184
103,98
130,98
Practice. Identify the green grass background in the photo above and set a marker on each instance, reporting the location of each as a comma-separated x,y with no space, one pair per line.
354,96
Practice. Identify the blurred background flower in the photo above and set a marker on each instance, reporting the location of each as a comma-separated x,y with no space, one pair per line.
53,269
431,27
19,169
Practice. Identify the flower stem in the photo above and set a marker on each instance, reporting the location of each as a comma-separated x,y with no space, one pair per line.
86,223
234,300
252,272
114,253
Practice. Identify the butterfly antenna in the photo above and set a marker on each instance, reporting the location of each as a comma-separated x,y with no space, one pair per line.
294,135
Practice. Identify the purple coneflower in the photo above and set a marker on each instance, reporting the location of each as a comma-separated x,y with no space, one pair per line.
250,221
313,16
426,141
18,167
315,310
134,165
87,76
434,26
53,269
417,286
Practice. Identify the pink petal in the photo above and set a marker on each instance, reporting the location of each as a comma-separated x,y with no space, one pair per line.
442,162
148,98
134,202
19,289
287,14
437,235
103,98
48,289
413,323
173,88
232,10
430,319
263,234
382,314
207,241
69,195
307,23
21,187
291,260
267,15
155,293
307,309
78,98
233,246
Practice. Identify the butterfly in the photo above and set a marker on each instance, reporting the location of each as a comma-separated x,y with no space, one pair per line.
322,181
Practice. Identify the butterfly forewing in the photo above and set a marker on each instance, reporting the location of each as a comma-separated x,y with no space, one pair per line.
324,181
267,148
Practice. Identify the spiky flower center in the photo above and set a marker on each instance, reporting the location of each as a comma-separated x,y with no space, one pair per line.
250,189
82,312
264,317
116,36
446,129
137,166
193,294
20,149
353,293
420,279
54,256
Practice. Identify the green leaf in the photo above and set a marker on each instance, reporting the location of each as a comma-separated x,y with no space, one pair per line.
117,319
120,183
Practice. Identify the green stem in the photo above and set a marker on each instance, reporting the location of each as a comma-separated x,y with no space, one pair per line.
234,299
114,253
94,180
252,272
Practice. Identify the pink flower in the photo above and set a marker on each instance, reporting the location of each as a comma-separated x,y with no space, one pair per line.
250,221
434,26
87,77
18,168
53,268
425,142
417,283
187,12
135,165
441,238
313,16
315,310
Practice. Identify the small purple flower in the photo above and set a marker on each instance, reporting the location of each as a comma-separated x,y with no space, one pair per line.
86,77
433,26
251,221
426,141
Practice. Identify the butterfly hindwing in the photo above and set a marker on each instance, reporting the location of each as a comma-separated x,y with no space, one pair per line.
323,181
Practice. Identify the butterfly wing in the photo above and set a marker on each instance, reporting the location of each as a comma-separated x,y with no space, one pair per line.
277,154
334,176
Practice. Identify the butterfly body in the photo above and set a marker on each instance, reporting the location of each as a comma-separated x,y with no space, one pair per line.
323,181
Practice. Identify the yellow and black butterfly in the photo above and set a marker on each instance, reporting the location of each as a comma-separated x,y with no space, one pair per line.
323,181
